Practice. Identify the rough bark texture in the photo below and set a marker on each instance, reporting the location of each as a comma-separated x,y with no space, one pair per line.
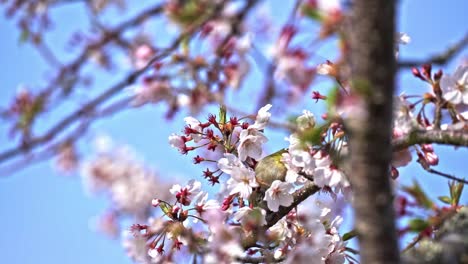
372,62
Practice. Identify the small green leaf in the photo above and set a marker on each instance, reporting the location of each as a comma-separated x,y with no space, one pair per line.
456,190
313,135
332,98
445,199
166,208
419,195
24,37
349,235
312,13
418,225
222,114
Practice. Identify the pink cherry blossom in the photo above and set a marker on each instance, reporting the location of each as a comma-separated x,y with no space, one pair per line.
279,194
184,195
455,87
250,144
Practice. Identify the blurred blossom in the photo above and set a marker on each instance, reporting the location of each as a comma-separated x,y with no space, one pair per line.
401,39
404,122
152,90
142,55
263,116
136,248
455,87
223,242
306,120
108,224
67,159
129,183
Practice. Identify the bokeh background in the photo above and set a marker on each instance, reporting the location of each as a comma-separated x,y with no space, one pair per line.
47,217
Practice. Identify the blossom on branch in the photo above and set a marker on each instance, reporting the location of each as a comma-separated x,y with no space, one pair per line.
455,87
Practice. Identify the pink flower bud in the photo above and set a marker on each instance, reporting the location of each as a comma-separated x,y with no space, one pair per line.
426,71
438,75
431,158
155,202
394,173
427,148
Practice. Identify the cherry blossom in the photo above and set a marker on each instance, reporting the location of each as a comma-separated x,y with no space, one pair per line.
249,216
177,142
326,68
455,87
223,244
279,194
250,145
242,181
314,248
280,231
305,121
228,163
202,204
184,195
401,38
263,116
130,183
328,175
195,128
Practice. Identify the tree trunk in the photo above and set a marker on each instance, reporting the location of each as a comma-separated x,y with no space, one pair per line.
372,62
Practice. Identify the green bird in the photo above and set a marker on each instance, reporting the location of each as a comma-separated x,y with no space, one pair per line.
270,168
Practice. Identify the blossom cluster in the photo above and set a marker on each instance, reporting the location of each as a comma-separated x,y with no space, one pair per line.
128,182
241,220
234,225
254,187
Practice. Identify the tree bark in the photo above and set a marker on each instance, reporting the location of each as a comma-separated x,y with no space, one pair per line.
372,61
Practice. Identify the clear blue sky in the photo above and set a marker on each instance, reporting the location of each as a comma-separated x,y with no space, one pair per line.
45,216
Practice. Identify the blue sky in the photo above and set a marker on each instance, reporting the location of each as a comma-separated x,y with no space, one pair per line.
46,216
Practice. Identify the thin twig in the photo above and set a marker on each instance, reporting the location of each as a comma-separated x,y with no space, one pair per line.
52,149
88,108
445,175
44,154
91,105
438,59
47,54
299,196
72,68
250,259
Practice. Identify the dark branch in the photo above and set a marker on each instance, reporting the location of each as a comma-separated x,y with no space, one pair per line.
91,105
438,59
249,259
299,196
52,148
445,175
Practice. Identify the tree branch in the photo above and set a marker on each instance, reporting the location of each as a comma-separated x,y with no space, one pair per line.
52,148
92,104
299,196
444,137
250,259
445,175
438,59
